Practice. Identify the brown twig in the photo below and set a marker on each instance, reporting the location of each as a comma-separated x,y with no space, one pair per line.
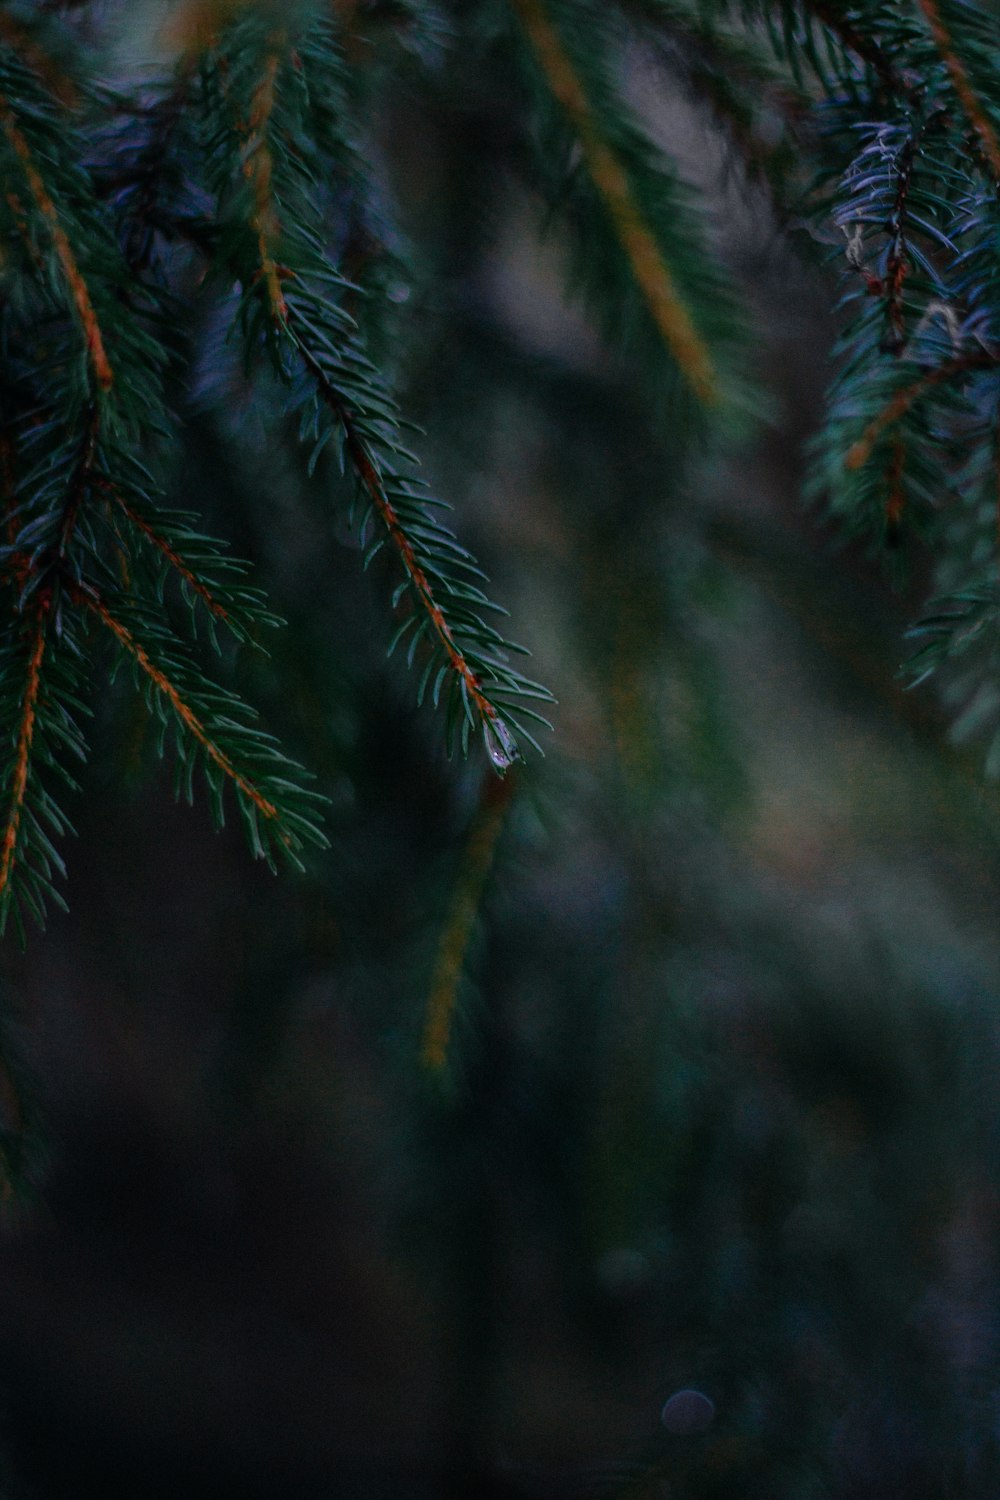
367,471
477,861
611,181
78,289
22,752
258,168
91,600
170,554
860,452
975,113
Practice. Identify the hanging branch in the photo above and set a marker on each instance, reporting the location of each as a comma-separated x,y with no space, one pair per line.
466,900
344,398
22,753
975,113
861,451
665,305
76,285
20,39
259,168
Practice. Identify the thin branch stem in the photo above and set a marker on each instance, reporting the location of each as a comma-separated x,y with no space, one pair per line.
77,286
865,47
90,599
860,452
22,753
170,554
611,181
975,113
258,168
477,861
366,468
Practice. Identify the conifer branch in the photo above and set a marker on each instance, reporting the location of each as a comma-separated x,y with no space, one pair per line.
477,861
316,344
15,35
287,825
185,714
864,47
178,564
610,178
860,452
975,113
80,480
194,560
373,484
75,283
259,168
24,737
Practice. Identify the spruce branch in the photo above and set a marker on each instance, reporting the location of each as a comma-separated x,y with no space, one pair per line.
971,103
464,906
24,41
258,168
75,283
300,307
652,275
864,46
24,735
860,452
277,811
201,560
41,740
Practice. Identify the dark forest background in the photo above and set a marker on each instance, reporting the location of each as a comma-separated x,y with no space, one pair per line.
720,1110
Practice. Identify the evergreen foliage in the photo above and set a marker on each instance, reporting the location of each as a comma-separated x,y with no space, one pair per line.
236,194
569,1031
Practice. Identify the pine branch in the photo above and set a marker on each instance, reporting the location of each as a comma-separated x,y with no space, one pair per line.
23,40
652,275
864,46
860,452
24,736
258,168
278,812
85,506
973,107
340,393
166,534
43,739
466,900
75,283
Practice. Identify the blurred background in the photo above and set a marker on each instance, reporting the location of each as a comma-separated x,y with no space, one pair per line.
719,1110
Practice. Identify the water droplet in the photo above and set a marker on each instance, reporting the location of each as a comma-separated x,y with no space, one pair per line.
687,1411
501,746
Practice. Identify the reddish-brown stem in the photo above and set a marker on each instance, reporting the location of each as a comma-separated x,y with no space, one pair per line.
474,871
78,289
609,177
19,40
22,752
173,557
860,452
974,111
369,476
258,168
92,601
